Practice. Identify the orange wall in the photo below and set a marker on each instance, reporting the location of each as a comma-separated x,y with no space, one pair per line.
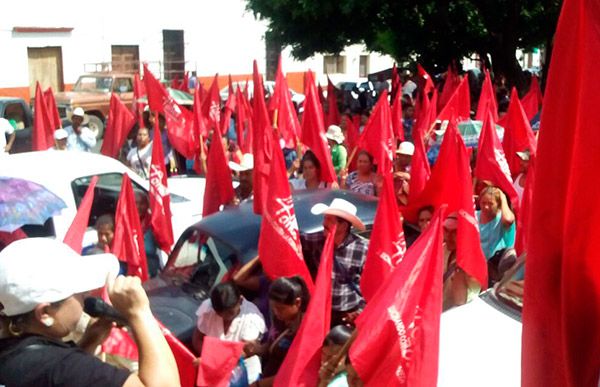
22,92
296,81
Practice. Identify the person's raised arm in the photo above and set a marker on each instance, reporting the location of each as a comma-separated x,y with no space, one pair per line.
508,217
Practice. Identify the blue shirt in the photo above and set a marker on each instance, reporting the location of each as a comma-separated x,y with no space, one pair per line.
494,235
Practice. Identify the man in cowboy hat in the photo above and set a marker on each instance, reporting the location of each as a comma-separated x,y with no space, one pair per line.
349,257
244,191
80,138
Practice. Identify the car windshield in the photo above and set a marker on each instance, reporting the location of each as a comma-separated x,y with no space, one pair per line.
510,289
93,84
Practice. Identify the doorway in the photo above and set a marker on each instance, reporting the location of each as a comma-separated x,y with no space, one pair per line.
45,67
126,59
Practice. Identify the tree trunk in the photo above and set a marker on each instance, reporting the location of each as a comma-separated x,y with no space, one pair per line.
505,64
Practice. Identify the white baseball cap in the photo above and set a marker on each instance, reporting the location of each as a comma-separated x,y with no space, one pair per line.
406,148
246,164
79,112
38,270
340,208
60,134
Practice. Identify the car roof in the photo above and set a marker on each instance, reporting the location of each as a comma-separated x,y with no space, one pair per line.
239,227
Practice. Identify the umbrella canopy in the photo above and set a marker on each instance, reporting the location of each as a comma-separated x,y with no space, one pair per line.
181,97
25,202
470,130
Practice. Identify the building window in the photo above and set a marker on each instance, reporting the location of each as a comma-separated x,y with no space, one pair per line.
363,66
334,64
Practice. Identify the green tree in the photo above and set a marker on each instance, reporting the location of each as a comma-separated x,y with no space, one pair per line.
435,31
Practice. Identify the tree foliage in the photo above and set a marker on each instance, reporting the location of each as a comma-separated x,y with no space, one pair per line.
434,31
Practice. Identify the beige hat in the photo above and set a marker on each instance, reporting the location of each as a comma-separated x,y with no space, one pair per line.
340,208
406,148
246,164
335,133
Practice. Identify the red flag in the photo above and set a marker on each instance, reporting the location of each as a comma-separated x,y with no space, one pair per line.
160,200
185,82
211,107
523,220
459,104
377,136
396,117
119,343
429,86
218,360
286,118
52,109
43,132
491,163
119,123
229,109
74,236
262,144
180,128
313,131
333,113
185,359
487,100
175,82
518,135
303,360
396,82
279,241
387,245
218,189
561,311
128,243
450,85
137,107
156,92
244,122
419,165
404,318
533,99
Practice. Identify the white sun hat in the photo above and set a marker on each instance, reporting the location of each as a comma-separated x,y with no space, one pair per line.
335,133
340,208
39,270
246,164
406,148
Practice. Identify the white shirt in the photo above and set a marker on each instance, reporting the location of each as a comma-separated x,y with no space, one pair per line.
5,129
248,325
140,160
83,142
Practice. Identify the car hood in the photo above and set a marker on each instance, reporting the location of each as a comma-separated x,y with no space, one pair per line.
479,345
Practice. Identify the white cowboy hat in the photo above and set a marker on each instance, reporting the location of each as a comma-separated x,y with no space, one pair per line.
340,208
334,133
246,164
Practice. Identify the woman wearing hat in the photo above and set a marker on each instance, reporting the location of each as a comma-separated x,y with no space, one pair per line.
339,154
42,282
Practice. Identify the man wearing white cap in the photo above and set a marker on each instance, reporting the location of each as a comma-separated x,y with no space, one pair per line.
42,282
60,139
80,138
403,159
348,259
244,191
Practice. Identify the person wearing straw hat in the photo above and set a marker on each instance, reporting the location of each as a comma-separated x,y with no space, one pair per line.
80,138
349,257
339,154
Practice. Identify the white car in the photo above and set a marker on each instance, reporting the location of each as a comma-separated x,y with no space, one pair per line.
67,174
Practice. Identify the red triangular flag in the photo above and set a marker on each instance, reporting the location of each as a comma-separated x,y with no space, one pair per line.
491,163
279,246
533,99
74,236
160,200
243,122
487,100
523,220
218,360
428,83
398,332
518,135
137,107
229,109
313,131
451,83
387,245
396,82
303,360
333,113
377,136
52,109
43,131
180,128
128,243
459,104
156,92
118,125
119,343
396,116
219,189
561,310
211,106
185,359
419,166
281,102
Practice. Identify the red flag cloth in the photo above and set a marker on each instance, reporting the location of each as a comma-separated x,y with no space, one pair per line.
118,125
175,82
218,360
303,360
561,311
404,317
262,144
491,163
523,220
396,82
487,100
160,200
286,118
313,131
459,104
200,126
396,117
387,245
427,115
52,109
184,358
244,122
377,136
43,130
518,135
156,92
451,184
279,246
185,82
428,86
211,106
229,109
137,107
128,243
450,85
333,113
533,99
219,189
180,128
119,343
419,165
74,236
